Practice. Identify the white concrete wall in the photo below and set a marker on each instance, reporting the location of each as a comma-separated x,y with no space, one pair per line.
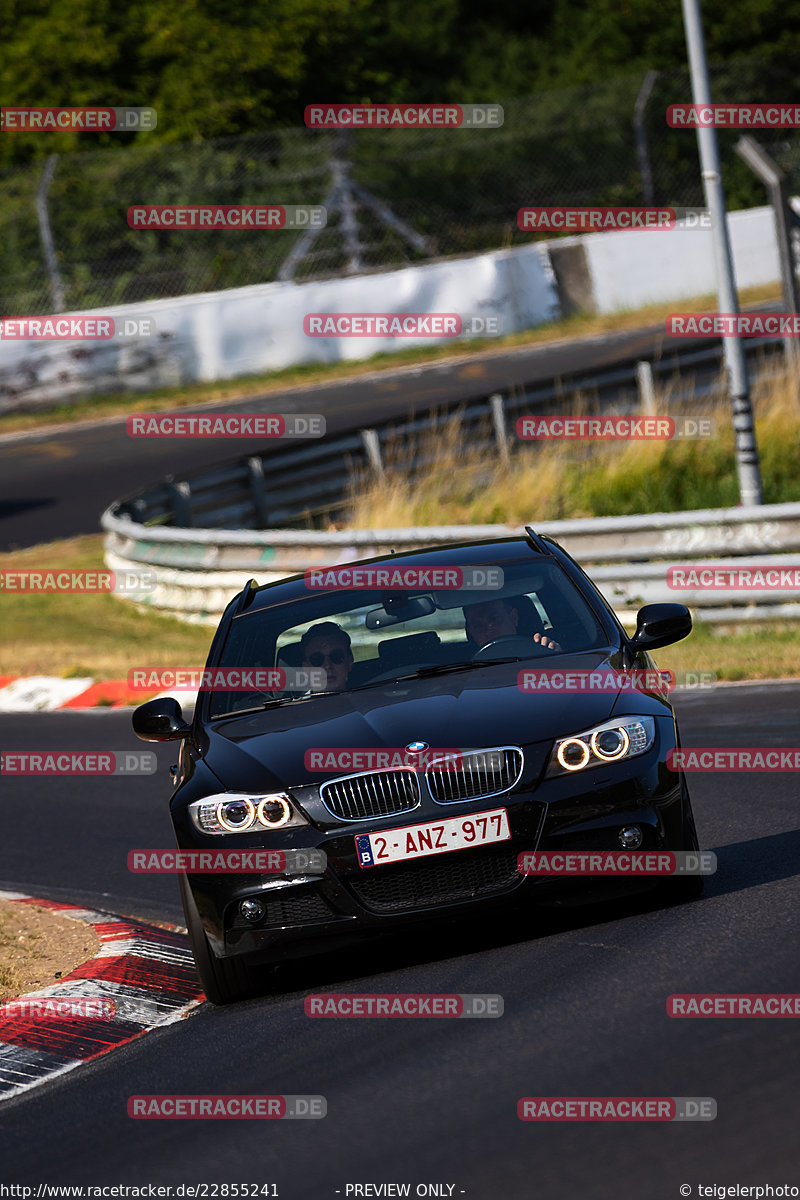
630,270
246,331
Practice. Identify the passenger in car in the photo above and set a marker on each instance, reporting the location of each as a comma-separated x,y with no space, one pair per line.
514,616
327,644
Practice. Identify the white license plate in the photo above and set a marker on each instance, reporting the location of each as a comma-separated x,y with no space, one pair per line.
435,837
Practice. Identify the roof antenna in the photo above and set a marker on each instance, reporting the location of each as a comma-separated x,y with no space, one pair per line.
535,541
246,596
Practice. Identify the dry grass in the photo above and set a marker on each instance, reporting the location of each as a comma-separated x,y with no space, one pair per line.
38,947
547,481
103,636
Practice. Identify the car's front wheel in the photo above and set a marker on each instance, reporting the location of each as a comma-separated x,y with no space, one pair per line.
224,980
681,888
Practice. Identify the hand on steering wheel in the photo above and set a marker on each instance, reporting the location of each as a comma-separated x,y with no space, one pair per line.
521,646
545,641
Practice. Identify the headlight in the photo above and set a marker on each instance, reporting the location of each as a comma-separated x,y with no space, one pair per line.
237,812
609,743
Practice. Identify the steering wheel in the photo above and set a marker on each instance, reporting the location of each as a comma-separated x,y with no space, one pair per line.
511,643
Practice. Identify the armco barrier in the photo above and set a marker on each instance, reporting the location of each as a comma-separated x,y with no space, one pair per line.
305,483
199,570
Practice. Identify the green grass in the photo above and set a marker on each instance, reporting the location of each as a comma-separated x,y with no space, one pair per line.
101,636
764,650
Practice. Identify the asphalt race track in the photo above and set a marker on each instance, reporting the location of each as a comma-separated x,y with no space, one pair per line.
57,484
434,1102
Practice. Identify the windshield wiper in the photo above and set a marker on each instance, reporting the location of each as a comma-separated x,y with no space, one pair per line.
291,700
446,668
422,673
241,712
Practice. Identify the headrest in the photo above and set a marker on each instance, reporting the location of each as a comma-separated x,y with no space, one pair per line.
406,649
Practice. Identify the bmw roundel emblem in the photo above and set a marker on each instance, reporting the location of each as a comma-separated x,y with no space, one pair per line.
417,747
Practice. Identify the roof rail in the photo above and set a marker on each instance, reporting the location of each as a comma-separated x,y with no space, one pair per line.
246,596
535,541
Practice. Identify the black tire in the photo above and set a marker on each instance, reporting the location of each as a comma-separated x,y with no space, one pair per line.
224,980
683,888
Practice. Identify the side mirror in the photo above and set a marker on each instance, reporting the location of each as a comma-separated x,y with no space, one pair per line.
160,720
661,625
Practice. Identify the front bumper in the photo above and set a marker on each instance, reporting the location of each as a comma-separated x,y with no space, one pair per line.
308,914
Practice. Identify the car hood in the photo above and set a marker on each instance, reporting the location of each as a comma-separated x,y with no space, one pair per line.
468,710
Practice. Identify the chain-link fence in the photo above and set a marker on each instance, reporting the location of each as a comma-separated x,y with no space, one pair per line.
414,195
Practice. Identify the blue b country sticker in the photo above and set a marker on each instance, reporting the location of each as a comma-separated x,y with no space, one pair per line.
364,850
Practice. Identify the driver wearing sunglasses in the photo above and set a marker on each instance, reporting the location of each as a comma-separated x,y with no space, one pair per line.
328,645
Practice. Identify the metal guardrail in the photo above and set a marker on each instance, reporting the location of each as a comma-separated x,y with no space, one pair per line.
199,570
208,533
307,484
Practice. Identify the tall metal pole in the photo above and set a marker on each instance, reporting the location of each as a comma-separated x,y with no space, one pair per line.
46,233
746,449
774,180
641,137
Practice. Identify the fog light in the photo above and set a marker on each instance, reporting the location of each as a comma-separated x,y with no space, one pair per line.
252,910
631,837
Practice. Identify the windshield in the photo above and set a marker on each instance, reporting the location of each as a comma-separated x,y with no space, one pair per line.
334,641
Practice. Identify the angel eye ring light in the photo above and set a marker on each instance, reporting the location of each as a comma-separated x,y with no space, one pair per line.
568,743
273,801
623,742
226,806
